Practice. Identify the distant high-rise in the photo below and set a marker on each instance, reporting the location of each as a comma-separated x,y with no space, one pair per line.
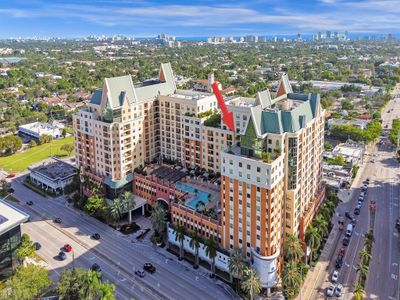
328,36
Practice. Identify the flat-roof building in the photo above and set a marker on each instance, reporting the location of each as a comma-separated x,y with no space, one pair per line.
38,129
10,237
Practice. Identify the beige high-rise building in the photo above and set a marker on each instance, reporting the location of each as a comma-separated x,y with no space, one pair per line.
271,180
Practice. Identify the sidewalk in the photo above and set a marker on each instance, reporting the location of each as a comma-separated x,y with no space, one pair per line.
311,288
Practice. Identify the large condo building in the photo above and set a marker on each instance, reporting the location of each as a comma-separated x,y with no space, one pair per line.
270,166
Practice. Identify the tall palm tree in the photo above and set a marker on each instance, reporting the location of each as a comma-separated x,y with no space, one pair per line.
369,239
237,264
358,291
291,276
158,219
321,224
211,252
251,284
293,249
365,256
313,239
195,244
129,203
363,270
180,237
91,285
117,208
107,291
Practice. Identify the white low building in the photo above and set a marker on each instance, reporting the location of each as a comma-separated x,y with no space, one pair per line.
53,175
38,129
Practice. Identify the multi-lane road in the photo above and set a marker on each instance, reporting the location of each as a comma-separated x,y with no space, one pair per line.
119,256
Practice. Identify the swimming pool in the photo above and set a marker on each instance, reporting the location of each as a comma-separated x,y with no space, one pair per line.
200,196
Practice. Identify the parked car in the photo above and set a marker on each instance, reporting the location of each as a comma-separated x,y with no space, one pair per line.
349,230
140,273
330,290
348,216
29,203
398,224
335,276
354,222
62,255
95,267
346,241
11,175
339,262
57,220
342,252
95,236
339,290
149,267
356,211
37,245
10,190
67,248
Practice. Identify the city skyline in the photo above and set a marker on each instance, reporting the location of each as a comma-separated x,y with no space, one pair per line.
74,18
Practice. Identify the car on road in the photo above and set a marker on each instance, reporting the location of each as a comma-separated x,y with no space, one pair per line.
37,246
342,252
62,255
95,267
11,175
95,236
346,241
29,203
339,290
398,224
140,273
57,220
149,267
10,190
356,211
335,276
339,262
330,290
67,248
348,215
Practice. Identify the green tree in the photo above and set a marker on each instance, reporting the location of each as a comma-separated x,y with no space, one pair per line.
328,146
95,205
107,291
68,147
293,250
91,285
365,256
180,237
339,160
362,269
128,200
32,144
158,219
237,264
116,209
251,284
70,282
26,249
195,244
64,132
211,252
358,291
291,279
321,224
28,282
313,239
369,239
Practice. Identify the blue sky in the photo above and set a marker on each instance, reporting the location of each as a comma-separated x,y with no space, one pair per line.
78,18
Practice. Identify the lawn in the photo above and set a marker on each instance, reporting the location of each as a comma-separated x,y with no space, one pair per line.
21,161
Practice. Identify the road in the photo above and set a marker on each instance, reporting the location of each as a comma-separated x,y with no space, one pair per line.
117,255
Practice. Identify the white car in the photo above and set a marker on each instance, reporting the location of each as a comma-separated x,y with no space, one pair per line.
338,290
330,290
335,276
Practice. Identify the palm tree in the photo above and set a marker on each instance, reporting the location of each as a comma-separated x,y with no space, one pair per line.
363,270
158,219
358,291
313,238
91,285
237,264
117,208
251,284
291,276
365,256
129,203
195,244
321,224
369,239
293,249
211,252
180,237
107,291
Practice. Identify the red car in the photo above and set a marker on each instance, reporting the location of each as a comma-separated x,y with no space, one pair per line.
341,252
67,248
11,175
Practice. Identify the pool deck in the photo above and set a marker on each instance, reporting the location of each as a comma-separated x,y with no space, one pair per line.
207,187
